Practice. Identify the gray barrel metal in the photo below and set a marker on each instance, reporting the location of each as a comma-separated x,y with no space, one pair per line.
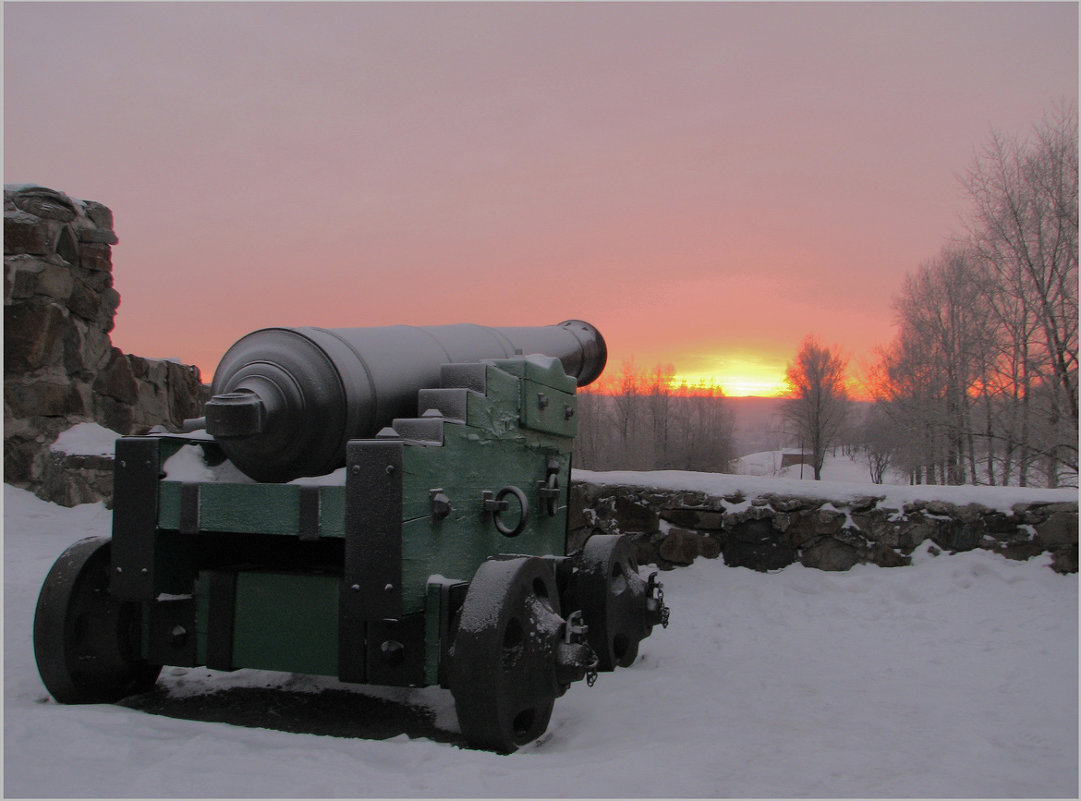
286,400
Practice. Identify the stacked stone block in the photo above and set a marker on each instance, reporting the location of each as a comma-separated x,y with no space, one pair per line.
60,367
772,531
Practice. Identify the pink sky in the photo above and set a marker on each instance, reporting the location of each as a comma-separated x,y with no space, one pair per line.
707,183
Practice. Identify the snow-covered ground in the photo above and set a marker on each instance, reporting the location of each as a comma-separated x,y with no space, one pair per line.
957,676
835,468
841,481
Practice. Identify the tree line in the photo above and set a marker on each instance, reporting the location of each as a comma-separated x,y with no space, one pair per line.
639,421
980,383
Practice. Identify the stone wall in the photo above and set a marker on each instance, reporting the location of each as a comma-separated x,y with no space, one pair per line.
60,367
771,530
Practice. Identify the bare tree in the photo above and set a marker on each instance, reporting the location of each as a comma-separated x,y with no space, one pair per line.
881,442
1024,227
944,319
818,403
659,392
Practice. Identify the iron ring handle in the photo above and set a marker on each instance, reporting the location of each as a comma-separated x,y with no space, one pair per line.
501,507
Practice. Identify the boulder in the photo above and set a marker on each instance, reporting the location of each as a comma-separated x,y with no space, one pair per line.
32,336
45,203
884,556
830,554
957,535
1064,560
24,233
680,546
757,545
71,479
694,518
634,516
1058,530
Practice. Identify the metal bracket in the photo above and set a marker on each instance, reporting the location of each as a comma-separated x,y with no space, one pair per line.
135,519
171,638
309,514
451,598
371,589
441,505
189,508
396,651
548,490
656,611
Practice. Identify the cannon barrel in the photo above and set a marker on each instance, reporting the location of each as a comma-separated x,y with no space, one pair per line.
286,400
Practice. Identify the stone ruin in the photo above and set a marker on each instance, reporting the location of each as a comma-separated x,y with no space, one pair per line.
772,530
60,367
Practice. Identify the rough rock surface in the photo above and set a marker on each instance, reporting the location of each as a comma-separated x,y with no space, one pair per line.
60,367
672,528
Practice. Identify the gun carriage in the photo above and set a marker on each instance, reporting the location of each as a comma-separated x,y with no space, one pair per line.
382,505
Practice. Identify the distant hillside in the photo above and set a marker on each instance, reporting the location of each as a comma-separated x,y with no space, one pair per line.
758,423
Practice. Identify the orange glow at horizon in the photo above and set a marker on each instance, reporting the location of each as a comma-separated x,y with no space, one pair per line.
735,385
748,370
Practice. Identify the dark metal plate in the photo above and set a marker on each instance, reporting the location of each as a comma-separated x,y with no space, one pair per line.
135,518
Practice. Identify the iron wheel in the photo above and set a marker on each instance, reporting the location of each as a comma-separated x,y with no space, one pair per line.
613,599
87,643
503,675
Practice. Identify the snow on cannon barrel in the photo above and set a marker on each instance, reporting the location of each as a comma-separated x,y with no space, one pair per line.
286,400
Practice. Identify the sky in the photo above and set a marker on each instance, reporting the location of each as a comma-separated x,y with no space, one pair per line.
707,183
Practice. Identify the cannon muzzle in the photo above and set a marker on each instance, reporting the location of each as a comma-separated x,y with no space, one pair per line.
286,400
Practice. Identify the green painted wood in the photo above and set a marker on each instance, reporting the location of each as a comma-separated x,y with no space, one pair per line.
542,370
495,413
287,622
252,508
464,467
548,410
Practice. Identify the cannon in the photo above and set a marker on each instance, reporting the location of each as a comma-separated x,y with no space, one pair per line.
381,505
286,400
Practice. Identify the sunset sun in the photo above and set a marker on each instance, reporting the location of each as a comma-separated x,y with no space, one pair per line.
735,385
737,375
